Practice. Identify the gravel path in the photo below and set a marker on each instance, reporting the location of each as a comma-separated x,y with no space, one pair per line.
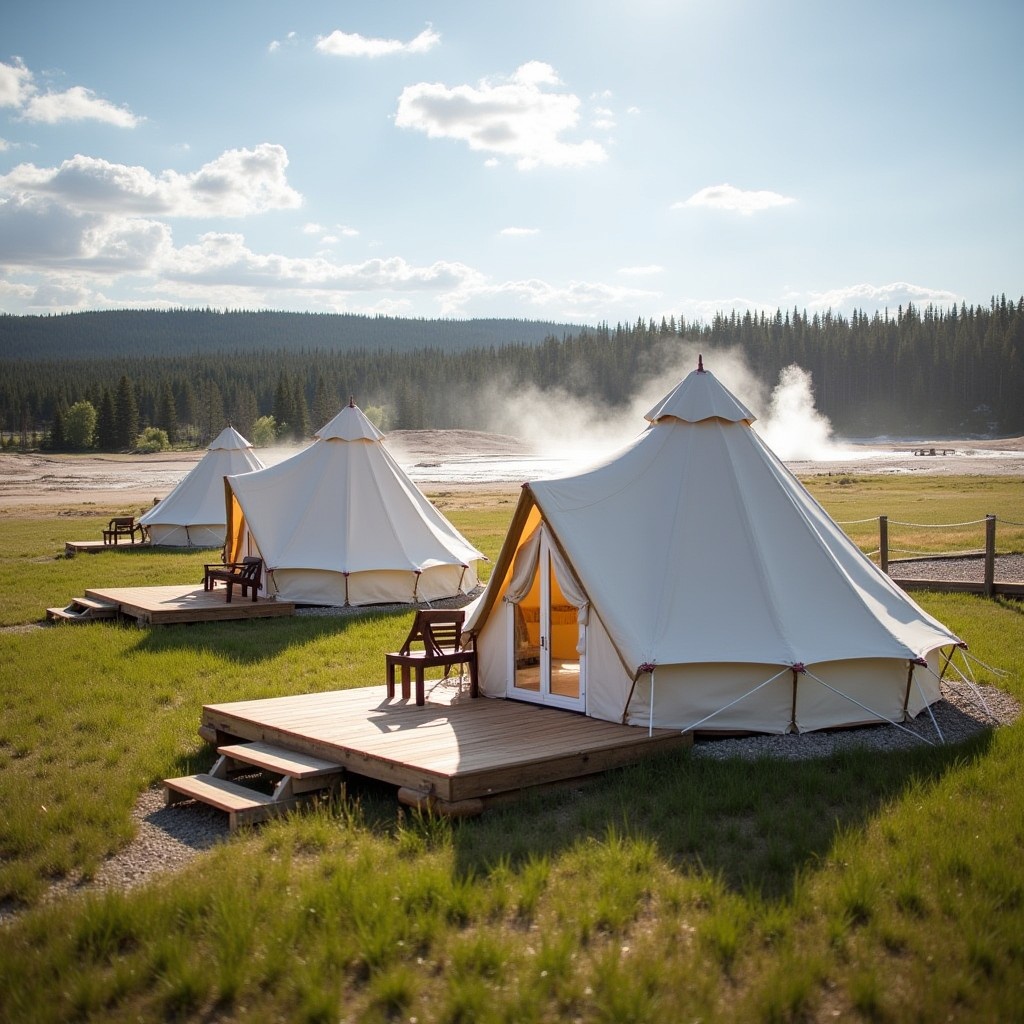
965,568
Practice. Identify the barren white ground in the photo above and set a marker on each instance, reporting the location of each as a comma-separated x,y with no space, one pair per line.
435,459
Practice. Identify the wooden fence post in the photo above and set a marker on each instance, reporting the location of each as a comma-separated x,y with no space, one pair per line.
883,543
990,555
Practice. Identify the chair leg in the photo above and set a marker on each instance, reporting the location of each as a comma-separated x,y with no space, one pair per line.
420,697
405,682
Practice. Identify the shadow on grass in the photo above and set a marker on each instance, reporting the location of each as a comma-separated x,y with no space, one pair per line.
1010,604
211,554
251,641
756,825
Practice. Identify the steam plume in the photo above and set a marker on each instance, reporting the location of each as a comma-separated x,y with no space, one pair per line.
563,426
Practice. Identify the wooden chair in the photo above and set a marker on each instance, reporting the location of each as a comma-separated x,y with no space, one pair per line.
435,640
246,574
123,526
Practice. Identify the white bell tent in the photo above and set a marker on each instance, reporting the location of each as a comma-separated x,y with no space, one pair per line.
193,515
341,523
691,582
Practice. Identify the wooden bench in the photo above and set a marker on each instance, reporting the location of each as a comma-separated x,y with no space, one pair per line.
246,574
123,526
435,640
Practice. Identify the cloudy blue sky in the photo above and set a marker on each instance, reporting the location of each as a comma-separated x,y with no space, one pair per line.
578,160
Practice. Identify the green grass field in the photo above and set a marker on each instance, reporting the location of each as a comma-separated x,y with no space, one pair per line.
875,887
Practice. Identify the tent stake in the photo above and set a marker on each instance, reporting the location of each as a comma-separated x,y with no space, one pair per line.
650,719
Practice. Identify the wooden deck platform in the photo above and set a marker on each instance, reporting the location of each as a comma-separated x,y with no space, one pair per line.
94,547
446,755
186,603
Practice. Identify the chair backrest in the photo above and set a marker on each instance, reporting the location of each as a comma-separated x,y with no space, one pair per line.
128,521
251,567
438,630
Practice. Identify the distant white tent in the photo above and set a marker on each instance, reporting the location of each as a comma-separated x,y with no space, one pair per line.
341,523
690,581
193,515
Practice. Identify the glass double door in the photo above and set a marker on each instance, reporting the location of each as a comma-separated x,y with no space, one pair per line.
547,667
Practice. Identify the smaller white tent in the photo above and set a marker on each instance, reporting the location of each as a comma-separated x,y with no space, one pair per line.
341,523
193,515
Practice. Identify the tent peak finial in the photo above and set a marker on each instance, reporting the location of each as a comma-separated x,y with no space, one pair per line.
700,363
351,401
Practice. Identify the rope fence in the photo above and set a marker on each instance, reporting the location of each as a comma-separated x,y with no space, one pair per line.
951,547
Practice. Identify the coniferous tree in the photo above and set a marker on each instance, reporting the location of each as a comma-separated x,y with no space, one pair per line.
57,440
243,411
324,404
212,418
301,426
167,413
106,430
126,414
284,410
186,405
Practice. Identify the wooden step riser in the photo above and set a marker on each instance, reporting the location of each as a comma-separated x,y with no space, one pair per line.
296,787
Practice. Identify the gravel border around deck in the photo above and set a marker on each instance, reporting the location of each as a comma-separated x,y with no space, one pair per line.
963,712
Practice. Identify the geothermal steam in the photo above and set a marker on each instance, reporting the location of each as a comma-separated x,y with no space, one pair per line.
563,427
794,429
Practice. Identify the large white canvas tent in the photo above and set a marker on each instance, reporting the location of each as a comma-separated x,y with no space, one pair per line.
691,582
193,515
341,523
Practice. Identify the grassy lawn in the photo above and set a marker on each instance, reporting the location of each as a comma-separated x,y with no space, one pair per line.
868,886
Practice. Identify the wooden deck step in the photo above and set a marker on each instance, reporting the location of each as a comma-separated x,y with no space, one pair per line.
244,806
300,775
280,760
84,609
93,605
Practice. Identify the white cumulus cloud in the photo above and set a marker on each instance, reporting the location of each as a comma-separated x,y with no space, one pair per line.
237,183
352,44
77,104
15,84
37,233
515,117
18,90
869,297
736,200
573,300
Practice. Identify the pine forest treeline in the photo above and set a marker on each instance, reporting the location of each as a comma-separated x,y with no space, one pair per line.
912,373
